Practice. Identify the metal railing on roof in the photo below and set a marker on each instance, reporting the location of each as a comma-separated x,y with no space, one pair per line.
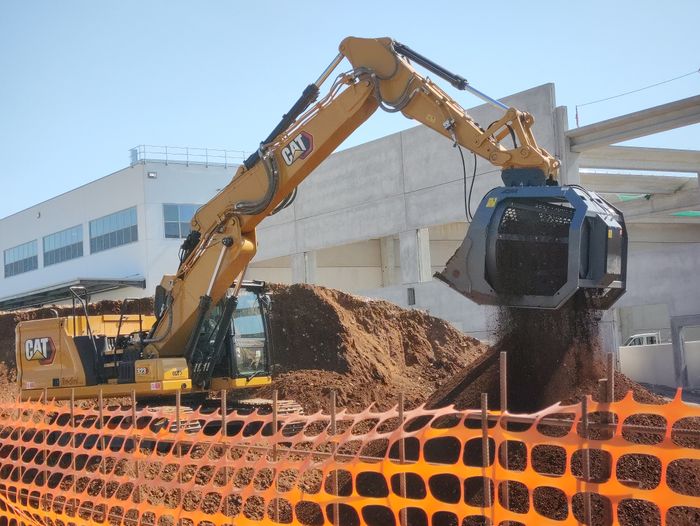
186,155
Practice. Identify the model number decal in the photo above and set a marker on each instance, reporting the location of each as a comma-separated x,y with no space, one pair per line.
300,147
142,371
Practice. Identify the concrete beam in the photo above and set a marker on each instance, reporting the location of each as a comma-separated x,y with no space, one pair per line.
639,124
662,205
634,184
636,158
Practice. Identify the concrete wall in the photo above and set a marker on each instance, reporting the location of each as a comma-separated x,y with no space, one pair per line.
663,268
653,364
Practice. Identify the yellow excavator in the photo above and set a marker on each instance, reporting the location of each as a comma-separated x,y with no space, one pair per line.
196,341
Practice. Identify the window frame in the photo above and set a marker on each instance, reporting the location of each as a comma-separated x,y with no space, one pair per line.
31,257
181,220
111,230
47,256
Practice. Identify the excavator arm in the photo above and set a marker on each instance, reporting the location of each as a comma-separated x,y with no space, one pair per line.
222,242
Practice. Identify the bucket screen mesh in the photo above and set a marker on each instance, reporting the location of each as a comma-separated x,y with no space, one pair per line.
532,248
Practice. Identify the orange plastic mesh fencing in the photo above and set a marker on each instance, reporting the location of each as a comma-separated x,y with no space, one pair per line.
620,463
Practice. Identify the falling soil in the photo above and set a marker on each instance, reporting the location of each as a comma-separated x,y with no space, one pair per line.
552,355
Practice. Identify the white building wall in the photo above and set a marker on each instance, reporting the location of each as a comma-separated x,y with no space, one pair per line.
150,257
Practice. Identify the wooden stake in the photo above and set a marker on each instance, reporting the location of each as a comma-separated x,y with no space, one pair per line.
45,435
586,460
137,443
274,453
177,433
485,448
611,378
503,374
103,464
336,489
403,517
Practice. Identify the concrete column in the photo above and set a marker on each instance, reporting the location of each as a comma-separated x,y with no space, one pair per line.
569,171
414,250
304,267
388,260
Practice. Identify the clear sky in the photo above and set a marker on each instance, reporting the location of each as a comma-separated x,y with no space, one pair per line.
81,82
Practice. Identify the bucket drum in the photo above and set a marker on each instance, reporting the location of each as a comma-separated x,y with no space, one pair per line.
536,246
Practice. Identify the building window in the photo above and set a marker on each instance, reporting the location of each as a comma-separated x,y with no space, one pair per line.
64,245
113,230
21,258
176,219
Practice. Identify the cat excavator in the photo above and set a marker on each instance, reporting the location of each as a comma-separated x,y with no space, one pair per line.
532,242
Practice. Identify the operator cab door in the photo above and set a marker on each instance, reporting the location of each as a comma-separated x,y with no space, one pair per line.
250,335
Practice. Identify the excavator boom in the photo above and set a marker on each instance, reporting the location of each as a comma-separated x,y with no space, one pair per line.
223,241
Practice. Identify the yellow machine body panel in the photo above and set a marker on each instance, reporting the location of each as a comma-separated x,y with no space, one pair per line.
158,369
48,359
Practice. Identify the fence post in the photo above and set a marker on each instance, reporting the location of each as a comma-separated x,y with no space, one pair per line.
20,449
275,396
177,435
222,433
137,444
403,517
611,377
103,464
45,436
485,450
336,489
586,461
72,432
503,374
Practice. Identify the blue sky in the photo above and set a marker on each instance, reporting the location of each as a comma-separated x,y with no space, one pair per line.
84,81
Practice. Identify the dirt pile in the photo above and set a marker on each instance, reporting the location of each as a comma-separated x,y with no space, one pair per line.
368,351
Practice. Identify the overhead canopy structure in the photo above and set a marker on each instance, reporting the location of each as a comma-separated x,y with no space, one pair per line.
61,292
649,185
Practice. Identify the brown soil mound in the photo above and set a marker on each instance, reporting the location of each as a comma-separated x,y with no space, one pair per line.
368,351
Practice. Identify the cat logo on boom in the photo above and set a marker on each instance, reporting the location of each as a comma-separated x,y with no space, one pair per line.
41,349
300,147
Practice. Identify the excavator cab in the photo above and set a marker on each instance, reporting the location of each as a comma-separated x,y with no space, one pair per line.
234,339
535,246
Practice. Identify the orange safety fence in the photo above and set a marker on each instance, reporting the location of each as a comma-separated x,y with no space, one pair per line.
618,463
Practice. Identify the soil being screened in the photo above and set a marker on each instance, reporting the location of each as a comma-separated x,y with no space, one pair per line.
368,351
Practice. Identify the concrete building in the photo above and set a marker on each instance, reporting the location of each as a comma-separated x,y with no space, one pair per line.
378,219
